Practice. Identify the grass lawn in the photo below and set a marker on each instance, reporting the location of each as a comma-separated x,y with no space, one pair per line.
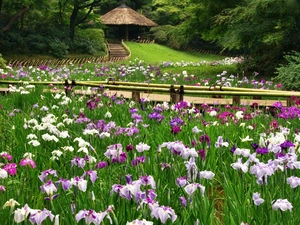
155,53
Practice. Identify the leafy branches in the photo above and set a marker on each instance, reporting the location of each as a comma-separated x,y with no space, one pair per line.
289,74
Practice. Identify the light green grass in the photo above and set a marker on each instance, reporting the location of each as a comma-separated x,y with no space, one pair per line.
155,53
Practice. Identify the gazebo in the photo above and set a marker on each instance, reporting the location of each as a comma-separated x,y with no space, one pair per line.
124,15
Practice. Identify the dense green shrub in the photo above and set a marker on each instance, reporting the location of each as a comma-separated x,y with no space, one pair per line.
13,41
2,62
289,74
58,48
160,34
37,43
89,41
172,36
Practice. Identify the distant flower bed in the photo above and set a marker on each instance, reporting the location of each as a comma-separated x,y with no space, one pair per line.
102,159
138,71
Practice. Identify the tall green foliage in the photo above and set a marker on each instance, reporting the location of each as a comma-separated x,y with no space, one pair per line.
2,62
263,29
289,74
45,27
89,41
202,14
260,29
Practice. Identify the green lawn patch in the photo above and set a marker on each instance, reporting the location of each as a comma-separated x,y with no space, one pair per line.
155,53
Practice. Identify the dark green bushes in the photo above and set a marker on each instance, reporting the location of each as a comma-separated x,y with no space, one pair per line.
89,41
170,36
2,62
289,74
53,41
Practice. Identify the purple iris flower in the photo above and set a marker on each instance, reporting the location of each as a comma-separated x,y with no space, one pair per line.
128,178
175,129
91,104
138,160
39,216
165,166
181,181
116,188
257,199
163,213
123,157
156,116
286,145
66,184
129,147
6,155
49,188
254,146
151,194
91,216
232,150
293,181
202,154
11,168
80,162
204,139
277,105
148,180
133,110
46,173
181,104
101,165
183,200
262,150
136,116
92,174
176,122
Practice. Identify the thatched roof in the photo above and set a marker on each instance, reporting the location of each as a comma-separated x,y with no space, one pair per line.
124,15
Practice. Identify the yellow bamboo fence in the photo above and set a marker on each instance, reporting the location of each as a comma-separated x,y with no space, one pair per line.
173,93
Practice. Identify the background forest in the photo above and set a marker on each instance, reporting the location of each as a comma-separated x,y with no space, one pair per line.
261,30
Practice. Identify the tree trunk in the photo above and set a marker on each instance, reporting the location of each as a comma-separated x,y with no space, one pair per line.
1,2
73,19
13,19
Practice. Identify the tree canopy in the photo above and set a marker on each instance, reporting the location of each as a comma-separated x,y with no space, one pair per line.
262,30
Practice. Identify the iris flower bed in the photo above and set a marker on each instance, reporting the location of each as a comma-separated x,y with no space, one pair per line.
138,71
102,159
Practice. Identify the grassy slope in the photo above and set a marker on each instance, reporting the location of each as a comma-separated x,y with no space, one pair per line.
154,53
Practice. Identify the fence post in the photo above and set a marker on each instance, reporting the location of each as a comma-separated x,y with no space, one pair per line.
66,87
174,96
289,102
136,96
73,84
236,100
181,92
69,87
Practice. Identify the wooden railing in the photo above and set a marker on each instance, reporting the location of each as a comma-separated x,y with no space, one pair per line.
143,41
176,93
56,62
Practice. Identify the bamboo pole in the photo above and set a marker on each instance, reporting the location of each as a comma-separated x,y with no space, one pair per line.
164,88
242,93
186,87
30,82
